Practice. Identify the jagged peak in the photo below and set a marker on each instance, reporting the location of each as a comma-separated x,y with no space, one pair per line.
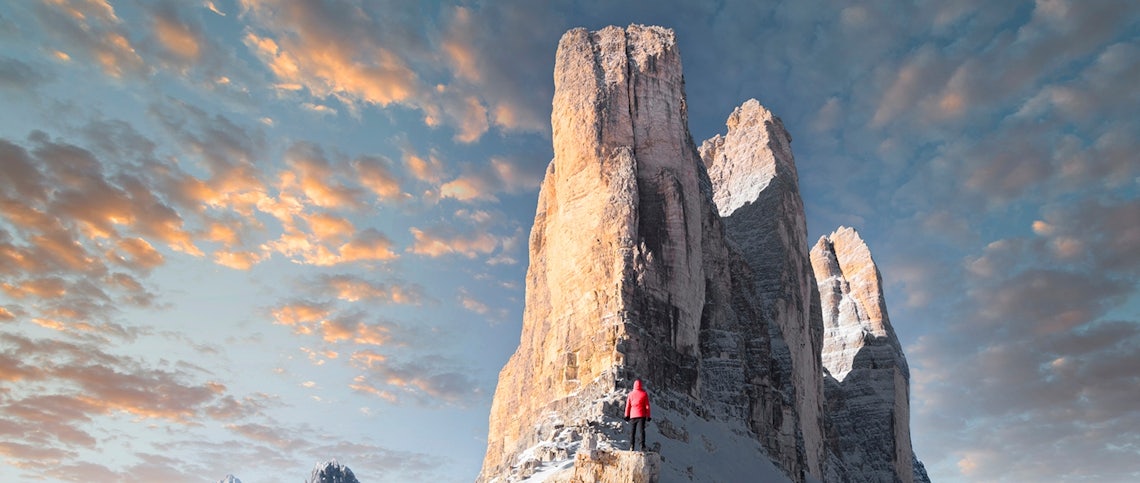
754,153
331,471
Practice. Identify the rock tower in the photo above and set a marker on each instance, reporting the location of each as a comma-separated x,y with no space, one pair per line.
688,269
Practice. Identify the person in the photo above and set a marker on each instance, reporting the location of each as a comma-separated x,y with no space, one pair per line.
637,412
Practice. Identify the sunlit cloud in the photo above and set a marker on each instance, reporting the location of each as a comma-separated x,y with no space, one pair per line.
376,174
500,176
241,260
92,28
367,245
439,241
351,289
302,51
319,108
176,37
300,313
317,178
428,169
328,227
81,384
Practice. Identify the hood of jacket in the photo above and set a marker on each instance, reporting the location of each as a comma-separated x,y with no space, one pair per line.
637,385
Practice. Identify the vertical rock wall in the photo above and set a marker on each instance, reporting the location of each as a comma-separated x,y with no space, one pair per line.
867,387
762,361
630,274
756,189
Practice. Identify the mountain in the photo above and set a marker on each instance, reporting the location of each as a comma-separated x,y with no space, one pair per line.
331,472
867,383
756,188
229,479
686,269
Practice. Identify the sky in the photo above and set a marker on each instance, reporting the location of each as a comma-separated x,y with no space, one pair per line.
242,237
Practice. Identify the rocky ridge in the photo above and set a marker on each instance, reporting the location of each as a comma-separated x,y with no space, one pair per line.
689,270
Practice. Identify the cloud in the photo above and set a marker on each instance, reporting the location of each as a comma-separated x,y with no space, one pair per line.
500,176
375,173
318,46
458,75
1040,353
317,178
177,38
427,380
499,51
472,304
21,76
90,29
429,169
367,245
351,288
79,385
438,241
94,228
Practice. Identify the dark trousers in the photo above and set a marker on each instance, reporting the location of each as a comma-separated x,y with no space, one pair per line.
637,422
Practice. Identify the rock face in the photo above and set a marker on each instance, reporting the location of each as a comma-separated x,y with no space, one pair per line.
616,467
756,188
630,276
331,472
647,262
867,386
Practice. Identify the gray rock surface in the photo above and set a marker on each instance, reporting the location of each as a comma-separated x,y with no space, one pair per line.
630,276
693,275
756,188
331,472
867,386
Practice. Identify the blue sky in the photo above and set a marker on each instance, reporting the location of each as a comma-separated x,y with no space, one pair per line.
242,237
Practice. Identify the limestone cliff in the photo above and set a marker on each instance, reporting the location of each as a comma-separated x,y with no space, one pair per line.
867,385
756,188
689,270
630,276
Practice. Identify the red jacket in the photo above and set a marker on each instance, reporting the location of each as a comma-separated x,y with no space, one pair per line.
637,405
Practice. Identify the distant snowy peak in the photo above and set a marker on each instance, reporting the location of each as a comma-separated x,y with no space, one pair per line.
229,479
332,472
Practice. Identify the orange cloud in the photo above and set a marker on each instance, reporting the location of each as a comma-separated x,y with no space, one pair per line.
316,178
92,27
375,174
177,38
338,330
428,170
439,242
300,313
459,48
52,287
368,245
240,260
136,253
304,54
327,227
352,289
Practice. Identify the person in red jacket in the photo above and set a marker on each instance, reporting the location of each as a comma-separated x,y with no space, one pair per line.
637,411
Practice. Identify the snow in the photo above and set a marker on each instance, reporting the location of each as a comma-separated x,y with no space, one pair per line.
713,452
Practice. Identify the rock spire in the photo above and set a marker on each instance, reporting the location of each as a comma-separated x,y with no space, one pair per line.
867,384
756,188
630,276
689,270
